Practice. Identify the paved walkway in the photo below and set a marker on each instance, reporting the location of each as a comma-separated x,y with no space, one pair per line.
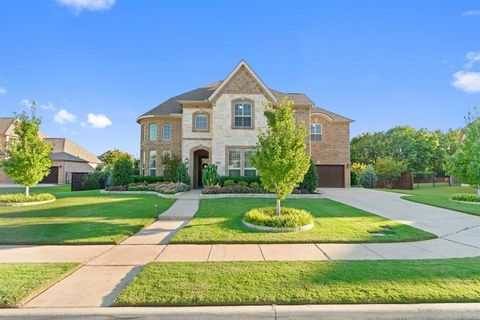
107,269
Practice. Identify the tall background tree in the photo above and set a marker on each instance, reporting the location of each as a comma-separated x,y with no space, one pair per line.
28,157
281,159
111,156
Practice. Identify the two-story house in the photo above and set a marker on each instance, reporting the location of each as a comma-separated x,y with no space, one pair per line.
219,123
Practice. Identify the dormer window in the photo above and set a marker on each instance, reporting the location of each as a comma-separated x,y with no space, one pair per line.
200,122
242,114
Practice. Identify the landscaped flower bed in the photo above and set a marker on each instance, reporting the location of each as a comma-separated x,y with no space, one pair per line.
291,219
466,198
161,187
11,198
231,186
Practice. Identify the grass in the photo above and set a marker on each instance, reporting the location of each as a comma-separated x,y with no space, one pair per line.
440,197
83,217
220,221
301,282
20,282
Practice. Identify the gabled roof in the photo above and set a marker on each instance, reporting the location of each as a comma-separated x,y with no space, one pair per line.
64,156
207,93
335,117
5,123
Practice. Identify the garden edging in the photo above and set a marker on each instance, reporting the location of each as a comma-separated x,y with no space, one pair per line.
271,229
260,195
24,204
161,195
466,202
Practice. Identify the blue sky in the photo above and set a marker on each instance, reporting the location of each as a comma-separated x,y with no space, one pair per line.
94,65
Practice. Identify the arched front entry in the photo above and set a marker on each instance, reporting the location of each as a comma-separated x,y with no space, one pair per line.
201,158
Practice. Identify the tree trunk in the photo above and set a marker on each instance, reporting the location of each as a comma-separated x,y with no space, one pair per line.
27,191
278,208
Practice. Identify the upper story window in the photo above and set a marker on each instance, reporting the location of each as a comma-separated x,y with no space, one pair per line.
316,132
201,122
242,114
153,131
167,132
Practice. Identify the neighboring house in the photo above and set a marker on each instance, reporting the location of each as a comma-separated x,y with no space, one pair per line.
219,124
67,157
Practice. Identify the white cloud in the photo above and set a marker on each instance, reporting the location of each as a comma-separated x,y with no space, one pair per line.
25,102
64,116
3,90
48,107
472,58
92,5
466,81
98,120
471,13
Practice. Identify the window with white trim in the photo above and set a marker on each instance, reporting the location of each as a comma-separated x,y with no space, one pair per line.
242,114
153,131
152,162
201,122
167,132
239,162
316,132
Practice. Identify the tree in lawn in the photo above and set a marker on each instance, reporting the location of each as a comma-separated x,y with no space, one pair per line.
281,159
465,163
28,157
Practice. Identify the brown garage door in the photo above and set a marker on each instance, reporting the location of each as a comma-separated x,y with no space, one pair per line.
52,176
331,176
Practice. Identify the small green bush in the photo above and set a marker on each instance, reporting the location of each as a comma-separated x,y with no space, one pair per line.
237,179
122,172
243,183
20,197
368,177
210,175
289,218
310,180
181,175
147,179
466,197
354,178
228,183
254,185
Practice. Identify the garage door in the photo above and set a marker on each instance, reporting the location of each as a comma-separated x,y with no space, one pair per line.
331,176
52,176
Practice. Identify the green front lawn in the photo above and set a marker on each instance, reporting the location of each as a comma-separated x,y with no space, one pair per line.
20,282
300,282
220,221
83,217
440,197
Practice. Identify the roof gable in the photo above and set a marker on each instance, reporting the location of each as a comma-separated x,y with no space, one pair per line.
243,80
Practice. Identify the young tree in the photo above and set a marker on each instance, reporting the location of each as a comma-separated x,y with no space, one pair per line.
310,180
368,177
181,175
281,158
465,163
28,157
122,174
389,170
170,165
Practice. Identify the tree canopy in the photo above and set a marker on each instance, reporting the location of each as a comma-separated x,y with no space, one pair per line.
111,156
27,156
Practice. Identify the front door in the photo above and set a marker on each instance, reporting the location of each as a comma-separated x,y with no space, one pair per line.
201,159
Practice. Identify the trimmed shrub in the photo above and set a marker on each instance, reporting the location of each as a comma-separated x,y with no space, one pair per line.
181,175
354,178
254,185
210,175
289,218
20,197
466,197
117,188
237,179
368,177
122,172
147,179
228,183
310,180
243,183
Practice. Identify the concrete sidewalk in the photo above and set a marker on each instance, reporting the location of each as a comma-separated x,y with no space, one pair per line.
337,312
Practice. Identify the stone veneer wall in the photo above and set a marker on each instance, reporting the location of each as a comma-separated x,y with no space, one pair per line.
174,145
334,148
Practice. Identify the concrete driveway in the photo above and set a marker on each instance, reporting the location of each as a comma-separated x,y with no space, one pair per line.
441,222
